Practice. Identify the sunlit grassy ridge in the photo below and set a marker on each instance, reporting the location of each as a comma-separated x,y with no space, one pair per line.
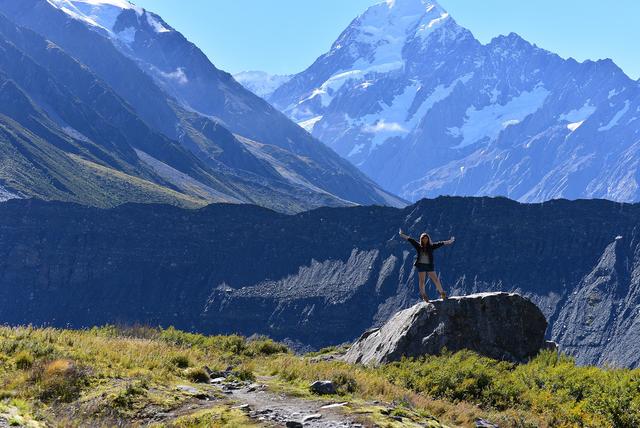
113,375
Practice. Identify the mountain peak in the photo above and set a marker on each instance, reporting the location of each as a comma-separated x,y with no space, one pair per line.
400,5
105,15
511,41
407,14
97,13
399,20
82,7
381,32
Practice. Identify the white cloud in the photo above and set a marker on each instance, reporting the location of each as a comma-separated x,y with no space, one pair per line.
382,126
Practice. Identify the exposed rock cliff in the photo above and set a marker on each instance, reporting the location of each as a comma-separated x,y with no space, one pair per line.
498,325
325,276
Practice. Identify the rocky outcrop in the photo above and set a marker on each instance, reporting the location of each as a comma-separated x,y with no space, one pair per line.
498,325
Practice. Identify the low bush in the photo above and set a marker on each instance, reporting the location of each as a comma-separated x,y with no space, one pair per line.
197,375
180,361
344,382
59,380
24,360
126,398
243,374
265,347
551,385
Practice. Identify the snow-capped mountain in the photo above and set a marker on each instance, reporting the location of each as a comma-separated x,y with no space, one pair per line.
416,102
261,83
240,142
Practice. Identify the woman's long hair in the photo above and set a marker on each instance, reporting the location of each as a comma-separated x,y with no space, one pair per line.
428,240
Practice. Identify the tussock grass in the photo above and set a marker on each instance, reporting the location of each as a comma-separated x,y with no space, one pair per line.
214,418
113,374
116,375
458,388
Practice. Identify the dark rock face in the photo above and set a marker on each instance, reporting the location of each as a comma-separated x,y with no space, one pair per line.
497,325
321,277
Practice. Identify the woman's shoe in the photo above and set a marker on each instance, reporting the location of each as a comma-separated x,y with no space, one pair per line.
426,299
443,295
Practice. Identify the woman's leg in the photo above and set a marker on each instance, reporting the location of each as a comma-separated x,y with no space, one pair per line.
422,276
436,281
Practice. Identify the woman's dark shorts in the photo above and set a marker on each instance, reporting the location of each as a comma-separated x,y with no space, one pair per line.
425,267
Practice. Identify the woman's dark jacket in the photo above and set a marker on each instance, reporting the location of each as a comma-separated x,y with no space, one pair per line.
428,249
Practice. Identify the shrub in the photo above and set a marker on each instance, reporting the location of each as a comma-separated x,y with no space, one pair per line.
197,375
180,361
24,360
344,382
60,380
243,374
127,397
265,347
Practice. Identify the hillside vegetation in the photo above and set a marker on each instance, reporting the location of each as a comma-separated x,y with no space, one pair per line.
112,376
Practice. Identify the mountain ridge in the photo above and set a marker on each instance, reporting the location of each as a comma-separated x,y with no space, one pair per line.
324,275
291,177
447,114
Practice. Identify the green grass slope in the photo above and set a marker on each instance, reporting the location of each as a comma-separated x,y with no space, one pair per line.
109,376
33,167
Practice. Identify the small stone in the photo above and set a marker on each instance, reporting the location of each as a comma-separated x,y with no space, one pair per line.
242,407
482,423
323,387
293,424
217,380
334,405
233,385
188,389
313,417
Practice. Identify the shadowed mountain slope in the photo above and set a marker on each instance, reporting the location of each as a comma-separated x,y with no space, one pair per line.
324,276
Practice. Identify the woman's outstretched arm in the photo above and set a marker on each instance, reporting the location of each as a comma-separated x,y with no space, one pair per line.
403,236
412,241
443,243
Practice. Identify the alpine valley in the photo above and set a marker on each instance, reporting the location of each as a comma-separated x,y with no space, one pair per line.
425,109
102,102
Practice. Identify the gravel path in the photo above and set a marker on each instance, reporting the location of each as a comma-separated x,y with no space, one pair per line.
279,410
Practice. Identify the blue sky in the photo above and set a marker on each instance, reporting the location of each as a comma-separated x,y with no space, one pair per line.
286,36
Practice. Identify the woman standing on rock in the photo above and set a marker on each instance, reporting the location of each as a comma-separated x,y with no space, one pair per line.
424,261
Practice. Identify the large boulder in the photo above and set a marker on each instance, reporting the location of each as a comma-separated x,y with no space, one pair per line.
498,325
